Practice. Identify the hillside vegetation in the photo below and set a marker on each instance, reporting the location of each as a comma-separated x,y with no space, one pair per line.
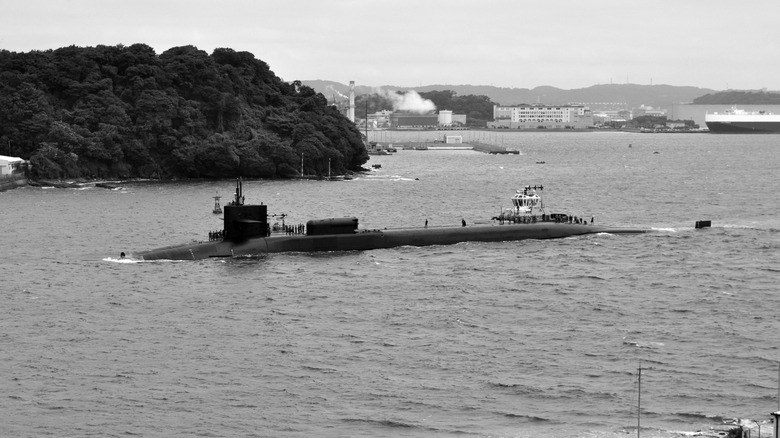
734,97
125,111
604,96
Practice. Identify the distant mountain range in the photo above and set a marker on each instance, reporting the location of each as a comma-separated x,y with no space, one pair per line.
611,96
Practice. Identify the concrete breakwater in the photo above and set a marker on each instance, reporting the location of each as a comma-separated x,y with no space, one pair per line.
436,145
492,149
8,182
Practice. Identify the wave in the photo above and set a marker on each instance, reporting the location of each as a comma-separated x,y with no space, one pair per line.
510,385
639,344
320,369
122,260
665,229
699,416
397,424
390,178
128,260
530,418
587,277
740,227
387,423
745,227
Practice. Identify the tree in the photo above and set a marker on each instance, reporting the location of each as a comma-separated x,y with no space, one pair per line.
125,111
25,116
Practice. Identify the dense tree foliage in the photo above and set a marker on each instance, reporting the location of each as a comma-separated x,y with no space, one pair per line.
371,103
124,111
652,122
736,97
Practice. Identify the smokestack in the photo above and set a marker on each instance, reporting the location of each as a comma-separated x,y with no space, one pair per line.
351,113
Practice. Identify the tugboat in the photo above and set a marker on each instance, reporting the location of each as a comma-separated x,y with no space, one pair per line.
528,207
217,209
247,233
525,201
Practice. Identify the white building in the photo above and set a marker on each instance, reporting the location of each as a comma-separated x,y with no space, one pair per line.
541,117
649,111
445,118
450,139
9,164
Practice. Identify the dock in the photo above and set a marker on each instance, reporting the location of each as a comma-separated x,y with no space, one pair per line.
493,149
434,146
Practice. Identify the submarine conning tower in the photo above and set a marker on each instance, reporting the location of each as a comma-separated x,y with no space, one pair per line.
244,222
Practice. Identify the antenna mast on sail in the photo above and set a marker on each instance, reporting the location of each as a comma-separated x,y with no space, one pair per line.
239,198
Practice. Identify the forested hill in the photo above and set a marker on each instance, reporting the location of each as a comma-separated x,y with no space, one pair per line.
125,112
596,97
739,97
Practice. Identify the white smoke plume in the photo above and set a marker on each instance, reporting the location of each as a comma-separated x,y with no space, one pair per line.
411,102
335,91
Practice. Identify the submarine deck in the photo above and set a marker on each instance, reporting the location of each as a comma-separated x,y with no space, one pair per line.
368,239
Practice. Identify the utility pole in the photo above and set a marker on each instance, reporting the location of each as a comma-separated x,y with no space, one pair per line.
639,399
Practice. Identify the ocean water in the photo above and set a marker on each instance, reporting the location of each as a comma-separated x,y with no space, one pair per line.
512,339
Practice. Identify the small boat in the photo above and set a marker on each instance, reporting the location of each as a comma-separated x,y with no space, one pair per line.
217,208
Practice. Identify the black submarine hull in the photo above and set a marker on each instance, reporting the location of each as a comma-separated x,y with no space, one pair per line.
360,240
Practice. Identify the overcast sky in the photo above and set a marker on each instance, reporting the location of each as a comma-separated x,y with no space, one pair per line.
509,43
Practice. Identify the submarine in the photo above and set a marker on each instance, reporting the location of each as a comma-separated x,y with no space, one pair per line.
246,232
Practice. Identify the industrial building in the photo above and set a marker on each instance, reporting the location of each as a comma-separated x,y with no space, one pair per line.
445,119
541,116
414,121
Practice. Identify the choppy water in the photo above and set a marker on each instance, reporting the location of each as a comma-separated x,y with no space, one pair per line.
515,339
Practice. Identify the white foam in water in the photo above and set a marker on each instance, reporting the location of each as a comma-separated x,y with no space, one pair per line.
121,260
744,227
128,260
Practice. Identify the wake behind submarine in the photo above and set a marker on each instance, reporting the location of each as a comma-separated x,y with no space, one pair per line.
247,232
